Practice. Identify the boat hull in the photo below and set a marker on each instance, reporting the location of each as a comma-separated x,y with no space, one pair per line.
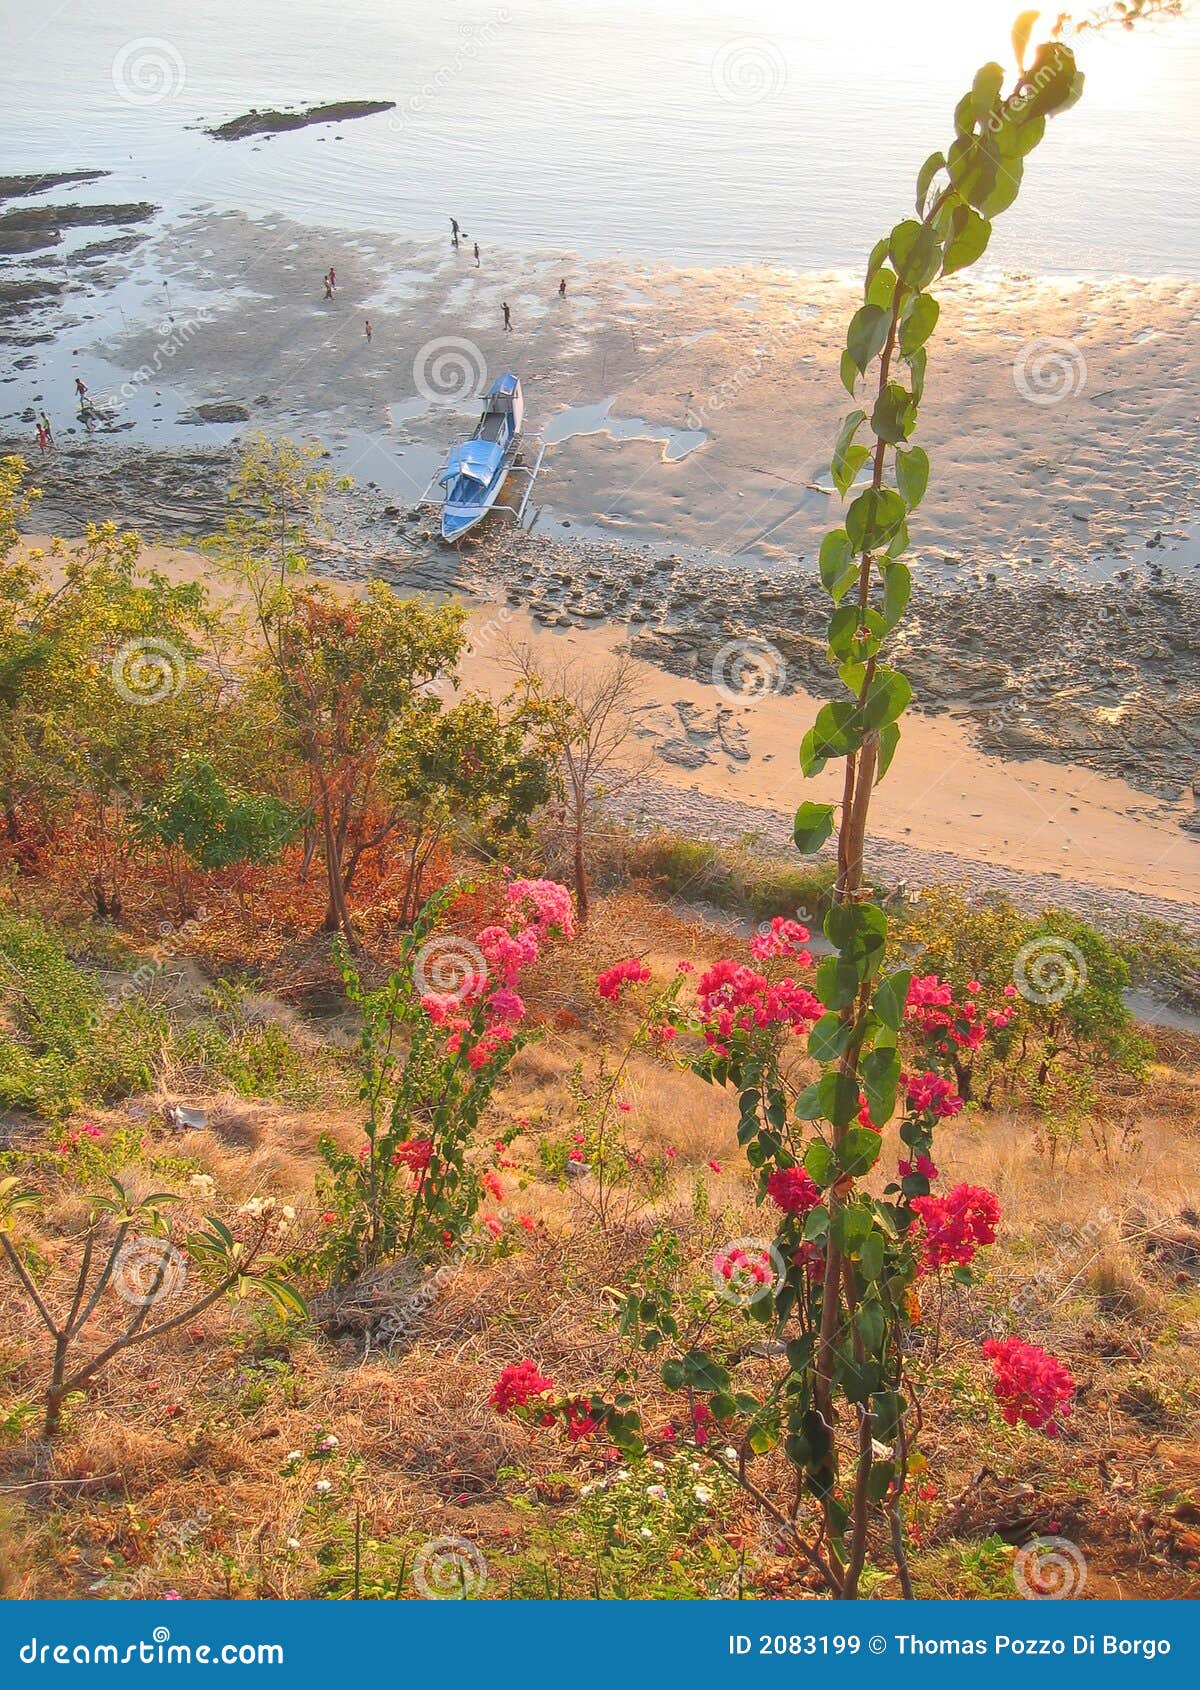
459,518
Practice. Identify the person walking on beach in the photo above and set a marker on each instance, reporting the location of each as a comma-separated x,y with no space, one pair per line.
562,288
41,434
328,288
477,255
80,390
332,277
367,329
507,317
454,231
45,422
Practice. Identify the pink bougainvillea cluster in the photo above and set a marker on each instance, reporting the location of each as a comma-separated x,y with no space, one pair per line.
1030,1385
535,911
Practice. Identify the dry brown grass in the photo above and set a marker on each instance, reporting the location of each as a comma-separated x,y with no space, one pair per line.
172,1474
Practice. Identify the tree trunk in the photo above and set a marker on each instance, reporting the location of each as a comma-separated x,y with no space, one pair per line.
582,905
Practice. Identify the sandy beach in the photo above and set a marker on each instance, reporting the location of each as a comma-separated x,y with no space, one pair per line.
688,413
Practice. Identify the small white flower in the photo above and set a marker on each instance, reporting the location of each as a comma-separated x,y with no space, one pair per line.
329,1443
659,1466
702,1493
657,1492
289,1214
293,1543
203,1185
293,1455
646,1532
730,1453
323,1485
881,1452
586,1490
693,1466
622,1473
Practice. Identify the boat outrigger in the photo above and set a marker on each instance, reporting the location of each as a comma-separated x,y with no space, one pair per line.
477,469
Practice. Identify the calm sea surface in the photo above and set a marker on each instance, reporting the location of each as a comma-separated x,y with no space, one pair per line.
700,133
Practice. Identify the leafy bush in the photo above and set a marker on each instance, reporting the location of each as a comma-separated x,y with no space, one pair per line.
61,1043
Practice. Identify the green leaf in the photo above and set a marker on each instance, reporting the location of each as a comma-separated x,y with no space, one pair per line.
839,1097
912,475
967,243
829,1038
1018,135
985,90
808,1104
867,332
847,458
920,320
972,164
816,1222
878,253
916,369
289,1304
881,289
888,696
890,999
835,733
813,826
872,1327
837,982
859,1151
672,1375
849,373
887,1409
1006,188
880,1071
1021,31
879,1480
915,253
819,1163
926,174
889,739
800,1352
850,1226
895,414
837,563
702,1373
874,517
860,933
870,1258
897,585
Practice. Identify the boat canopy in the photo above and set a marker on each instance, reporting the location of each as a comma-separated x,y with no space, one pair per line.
478,460
505,395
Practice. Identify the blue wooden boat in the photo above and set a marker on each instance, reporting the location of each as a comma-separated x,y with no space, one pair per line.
476,469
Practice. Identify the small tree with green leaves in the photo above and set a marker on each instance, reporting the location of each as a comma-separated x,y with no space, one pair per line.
128,1259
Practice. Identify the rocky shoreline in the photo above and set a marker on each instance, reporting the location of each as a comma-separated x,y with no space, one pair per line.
1105,675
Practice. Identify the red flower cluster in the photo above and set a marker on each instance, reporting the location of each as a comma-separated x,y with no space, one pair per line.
537,909
930,1094
518,1385
735,998
755,1266
793,1190
414,1154
630,972
1030,1385
785,938
956,1225
931,1005
580,1423
923,1166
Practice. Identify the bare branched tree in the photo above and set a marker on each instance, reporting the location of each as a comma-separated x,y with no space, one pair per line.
592,733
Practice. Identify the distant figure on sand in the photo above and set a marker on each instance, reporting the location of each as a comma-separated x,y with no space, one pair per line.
507,317
477,255
328,288
45,422
80,389
562,288
42,441
454,231
332,277
367,329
